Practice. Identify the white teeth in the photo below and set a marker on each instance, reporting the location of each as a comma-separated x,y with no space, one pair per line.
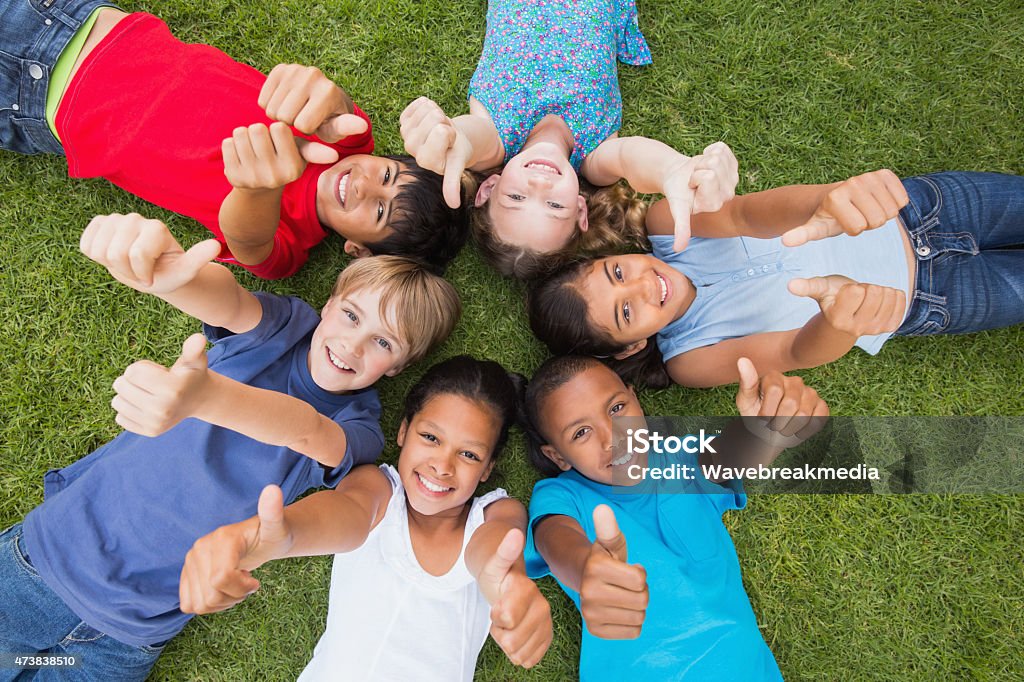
622,460
664,288
432,487
342,187
542,167
336,361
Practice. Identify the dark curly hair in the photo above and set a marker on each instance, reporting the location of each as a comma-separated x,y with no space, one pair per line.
560,319
423,226
483,381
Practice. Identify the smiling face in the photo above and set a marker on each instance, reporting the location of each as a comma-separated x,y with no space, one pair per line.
354,345
447,450
536,201
355,197
576,422
635,296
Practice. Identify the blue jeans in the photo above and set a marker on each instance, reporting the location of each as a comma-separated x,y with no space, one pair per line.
33,619
967,230
33,33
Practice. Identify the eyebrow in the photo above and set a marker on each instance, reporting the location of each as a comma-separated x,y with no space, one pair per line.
435,427
615,308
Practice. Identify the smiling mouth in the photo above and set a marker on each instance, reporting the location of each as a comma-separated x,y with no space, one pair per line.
621,460
544,167
338,362
664,288
431,487
342,190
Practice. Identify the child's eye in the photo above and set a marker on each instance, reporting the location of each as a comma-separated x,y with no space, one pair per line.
471,455
380,212
583,430
384,343
555,204
516,197
351,315
429,437
625,312
617,407
387,175
617,271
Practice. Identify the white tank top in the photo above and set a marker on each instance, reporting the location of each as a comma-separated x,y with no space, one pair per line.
389,619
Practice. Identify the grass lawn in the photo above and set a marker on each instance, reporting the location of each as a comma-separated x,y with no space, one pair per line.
858,587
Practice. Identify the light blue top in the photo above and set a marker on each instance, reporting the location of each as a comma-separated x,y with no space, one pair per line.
699,623
111,537
557,57
741,283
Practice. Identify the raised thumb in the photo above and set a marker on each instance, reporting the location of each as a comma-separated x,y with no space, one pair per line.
193,353
811,287
507,553
451,187
199,255
810,231
316,152
270,510
608,534
748,394
344,125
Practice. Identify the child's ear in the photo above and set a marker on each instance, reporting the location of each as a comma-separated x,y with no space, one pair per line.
583,218
356,250
552,454
401,433
488,469
397,369
631,349
483,193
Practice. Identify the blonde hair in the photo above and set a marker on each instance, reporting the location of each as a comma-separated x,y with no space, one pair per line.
616,223
426,306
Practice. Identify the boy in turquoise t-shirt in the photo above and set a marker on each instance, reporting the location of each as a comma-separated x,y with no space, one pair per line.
679,611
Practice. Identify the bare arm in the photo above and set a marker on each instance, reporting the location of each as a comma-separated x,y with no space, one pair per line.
249,219
500,517
143,255
564,546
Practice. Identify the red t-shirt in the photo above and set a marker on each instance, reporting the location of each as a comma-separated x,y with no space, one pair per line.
149,112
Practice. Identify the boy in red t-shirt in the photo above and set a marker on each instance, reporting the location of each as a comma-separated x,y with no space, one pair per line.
270,165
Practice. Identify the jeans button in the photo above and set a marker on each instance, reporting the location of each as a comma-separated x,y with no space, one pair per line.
923,251
35,71
15,107
48,22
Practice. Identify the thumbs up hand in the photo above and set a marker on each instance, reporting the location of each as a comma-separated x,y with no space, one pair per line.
863,202
520,615
613,594
437,145
779,409
143,254
302,96
152,399
851,307
216,574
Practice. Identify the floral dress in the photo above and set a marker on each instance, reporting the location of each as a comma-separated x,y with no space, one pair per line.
557,57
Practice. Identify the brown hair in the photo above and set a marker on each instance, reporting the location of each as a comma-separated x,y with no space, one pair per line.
426,306
616,216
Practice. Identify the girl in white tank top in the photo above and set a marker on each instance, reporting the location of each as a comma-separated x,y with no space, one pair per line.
422,569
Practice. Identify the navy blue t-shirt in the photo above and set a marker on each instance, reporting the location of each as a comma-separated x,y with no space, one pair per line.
111,536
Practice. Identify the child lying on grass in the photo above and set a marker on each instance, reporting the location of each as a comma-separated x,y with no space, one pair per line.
284,399
271,165
422,568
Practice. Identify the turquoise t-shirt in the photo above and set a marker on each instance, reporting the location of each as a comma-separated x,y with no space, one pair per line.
699,623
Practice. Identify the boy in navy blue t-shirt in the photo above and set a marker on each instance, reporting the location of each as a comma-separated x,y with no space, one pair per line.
284,397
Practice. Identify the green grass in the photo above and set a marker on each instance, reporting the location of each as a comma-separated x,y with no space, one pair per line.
878,587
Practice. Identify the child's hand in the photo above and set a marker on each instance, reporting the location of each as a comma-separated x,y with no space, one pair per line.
437,145
863,202
778,404
520,615
851,307
143,254
699,185
302,96
152,399
216,574
613,594
262,158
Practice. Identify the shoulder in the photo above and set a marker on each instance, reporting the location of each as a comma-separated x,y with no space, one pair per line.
284,318
566,494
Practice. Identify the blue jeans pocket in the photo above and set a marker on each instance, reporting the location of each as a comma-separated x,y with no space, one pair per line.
83,632
22,560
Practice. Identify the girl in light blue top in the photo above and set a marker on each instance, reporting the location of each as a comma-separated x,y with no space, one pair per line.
545,103
940,253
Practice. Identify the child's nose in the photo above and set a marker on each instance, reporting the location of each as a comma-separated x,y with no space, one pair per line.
539,182
441,463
